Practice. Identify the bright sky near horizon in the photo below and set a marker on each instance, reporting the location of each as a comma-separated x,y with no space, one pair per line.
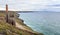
31,5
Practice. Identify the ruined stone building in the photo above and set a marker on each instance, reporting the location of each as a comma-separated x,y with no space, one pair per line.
10,17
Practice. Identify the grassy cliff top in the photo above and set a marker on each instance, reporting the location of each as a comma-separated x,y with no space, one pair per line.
8,29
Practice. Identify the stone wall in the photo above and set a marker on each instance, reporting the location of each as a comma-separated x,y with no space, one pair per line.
10,18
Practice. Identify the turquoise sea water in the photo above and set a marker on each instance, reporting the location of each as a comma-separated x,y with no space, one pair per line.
47,23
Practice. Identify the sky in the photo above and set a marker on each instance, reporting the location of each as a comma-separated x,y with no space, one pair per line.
31,5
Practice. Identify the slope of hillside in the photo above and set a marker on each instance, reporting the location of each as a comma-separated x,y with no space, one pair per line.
8,29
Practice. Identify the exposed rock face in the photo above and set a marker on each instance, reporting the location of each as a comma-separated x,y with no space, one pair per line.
22,20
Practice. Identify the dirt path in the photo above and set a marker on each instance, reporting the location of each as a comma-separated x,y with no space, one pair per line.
22,27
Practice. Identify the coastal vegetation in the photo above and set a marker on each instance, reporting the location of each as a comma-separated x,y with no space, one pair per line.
8,29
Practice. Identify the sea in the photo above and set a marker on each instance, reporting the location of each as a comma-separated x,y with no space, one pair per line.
47,23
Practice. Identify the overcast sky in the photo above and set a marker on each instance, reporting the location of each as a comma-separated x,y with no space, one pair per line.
31,5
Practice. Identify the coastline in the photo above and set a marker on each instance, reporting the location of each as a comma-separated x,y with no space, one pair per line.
26,31
25,26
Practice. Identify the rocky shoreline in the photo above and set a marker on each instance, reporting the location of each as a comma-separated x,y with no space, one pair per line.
32,31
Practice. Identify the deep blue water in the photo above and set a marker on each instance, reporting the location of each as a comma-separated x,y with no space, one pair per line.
47,23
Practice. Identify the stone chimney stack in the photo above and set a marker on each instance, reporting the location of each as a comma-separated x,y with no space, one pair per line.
6,13
6,8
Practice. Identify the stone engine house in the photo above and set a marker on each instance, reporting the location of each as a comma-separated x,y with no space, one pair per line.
10,17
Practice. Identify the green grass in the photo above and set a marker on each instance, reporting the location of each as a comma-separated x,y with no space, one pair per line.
11,30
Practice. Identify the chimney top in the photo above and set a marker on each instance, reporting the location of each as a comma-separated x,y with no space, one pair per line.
6,8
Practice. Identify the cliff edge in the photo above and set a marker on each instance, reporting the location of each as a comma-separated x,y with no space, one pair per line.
18,29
